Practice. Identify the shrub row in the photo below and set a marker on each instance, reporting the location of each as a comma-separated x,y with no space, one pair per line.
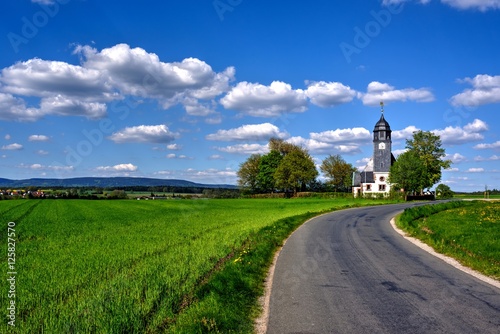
409,218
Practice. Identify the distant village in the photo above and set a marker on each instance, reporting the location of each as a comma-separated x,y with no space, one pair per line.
16,193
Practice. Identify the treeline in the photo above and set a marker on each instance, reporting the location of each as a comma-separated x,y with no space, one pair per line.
290,169
93,193
491,192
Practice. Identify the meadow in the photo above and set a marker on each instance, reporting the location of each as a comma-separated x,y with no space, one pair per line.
177,266
468,231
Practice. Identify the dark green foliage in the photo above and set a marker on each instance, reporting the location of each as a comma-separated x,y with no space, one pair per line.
296,171
410,216
248,174
407,172
338,171
287,167
443,192
267,167
118,194
420,166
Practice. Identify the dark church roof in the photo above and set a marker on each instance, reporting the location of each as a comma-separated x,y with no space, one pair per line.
382,125
363,177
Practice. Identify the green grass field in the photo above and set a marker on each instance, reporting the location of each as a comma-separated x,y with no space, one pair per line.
145,266
467,231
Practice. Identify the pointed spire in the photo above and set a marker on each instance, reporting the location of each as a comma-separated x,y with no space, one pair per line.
382,107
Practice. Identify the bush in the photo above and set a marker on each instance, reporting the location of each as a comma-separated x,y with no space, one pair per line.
118,194
409,218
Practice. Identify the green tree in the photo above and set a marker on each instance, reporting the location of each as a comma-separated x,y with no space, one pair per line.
248,172
420,166
281,146
443,191
295,171
267,167
407,172
338,171
428,148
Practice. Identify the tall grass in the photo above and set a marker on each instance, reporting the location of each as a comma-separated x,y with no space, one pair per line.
467,231
146,266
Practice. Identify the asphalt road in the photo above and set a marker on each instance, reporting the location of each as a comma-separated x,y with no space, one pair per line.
350,272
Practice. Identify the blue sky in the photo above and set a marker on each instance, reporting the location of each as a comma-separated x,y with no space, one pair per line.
189,89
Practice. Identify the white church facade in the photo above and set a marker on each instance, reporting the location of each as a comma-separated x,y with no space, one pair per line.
373,179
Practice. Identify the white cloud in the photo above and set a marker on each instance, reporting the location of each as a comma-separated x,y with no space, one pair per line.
216,157
164,172
245,149
42,152
144,134
397,153
451,169
194,107
212,175
12,147
346,141
457,135
312,145
485,90
175,156
44,2
476,126
136,72
249,132
106,75
406,133
329,94
378,91
492,158
482,5
64,106
14,109
495,145
41,167
320,147
475,170
38,138
174,147
265,101
43,78
7,137
363,161
395,2
118,168
456,158
354,135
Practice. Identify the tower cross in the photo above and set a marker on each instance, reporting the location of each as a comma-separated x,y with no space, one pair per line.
382,107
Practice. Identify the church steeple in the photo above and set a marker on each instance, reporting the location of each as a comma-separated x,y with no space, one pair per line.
382,144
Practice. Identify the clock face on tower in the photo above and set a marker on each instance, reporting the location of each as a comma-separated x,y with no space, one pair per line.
381,146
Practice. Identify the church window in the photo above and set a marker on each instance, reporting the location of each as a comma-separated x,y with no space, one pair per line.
368,187
381,187
382,179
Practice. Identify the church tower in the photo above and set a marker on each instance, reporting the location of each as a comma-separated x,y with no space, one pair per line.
382,156
373,180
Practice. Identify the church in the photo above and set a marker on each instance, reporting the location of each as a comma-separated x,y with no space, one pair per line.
373,179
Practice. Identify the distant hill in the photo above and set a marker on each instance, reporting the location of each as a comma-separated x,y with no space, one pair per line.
106,182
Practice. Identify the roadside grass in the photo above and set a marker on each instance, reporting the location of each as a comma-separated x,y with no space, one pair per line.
468,231
127,266
475,196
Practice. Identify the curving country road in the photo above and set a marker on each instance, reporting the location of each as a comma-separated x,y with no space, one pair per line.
350,272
